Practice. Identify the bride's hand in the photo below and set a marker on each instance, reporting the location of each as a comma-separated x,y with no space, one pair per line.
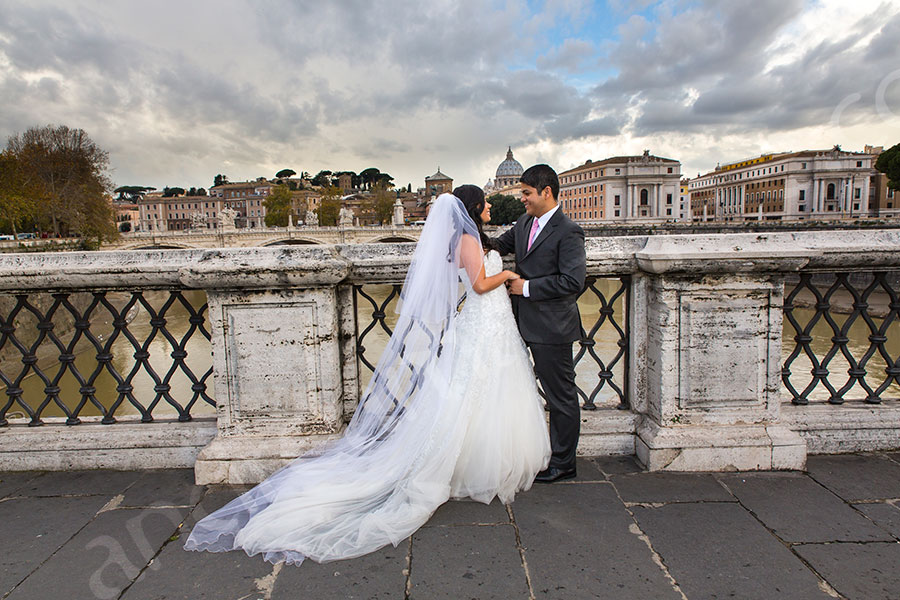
511,275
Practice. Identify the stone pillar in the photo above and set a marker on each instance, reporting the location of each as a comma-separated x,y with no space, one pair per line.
714,358
277,359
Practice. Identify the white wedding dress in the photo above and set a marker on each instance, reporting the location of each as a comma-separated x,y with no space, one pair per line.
471,425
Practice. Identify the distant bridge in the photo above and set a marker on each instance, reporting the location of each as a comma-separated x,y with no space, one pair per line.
270,236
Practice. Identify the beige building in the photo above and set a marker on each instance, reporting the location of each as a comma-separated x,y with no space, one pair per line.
246,199
438,184
622,188
811,184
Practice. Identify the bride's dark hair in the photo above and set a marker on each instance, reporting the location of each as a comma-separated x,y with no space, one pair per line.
472,198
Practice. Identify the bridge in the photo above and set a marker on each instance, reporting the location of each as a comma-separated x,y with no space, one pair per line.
268,236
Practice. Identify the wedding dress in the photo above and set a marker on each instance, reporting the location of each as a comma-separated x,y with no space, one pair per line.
452,411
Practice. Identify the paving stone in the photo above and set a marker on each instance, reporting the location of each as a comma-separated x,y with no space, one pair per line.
617,465
857,477
479,562
34,528
884,514
376,576
172,487
670,487
718,550
857,571
178,574
798,509
469,512
587,471
104,558
79,483
11,482
580,542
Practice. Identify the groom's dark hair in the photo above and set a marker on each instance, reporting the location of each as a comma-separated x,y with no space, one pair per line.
541,176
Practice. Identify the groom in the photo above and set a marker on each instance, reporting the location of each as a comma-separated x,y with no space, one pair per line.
549,250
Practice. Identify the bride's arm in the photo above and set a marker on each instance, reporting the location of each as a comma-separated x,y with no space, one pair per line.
472,260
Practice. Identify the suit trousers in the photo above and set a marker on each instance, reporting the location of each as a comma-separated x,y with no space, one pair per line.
555,369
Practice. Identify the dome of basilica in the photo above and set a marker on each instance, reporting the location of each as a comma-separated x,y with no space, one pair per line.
510,167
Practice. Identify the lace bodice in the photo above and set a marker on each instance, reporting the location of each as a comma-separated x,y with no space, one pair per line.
495,302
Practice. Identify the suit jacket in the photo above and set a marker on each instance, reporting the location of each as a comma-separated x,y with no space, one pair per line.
555,269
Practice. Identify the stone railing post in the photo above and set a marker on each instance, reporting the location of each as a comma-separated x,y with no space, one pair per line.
276,325
713,356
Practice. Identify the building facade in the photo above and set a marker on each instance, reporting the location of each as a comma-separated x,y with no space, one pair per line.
180,213
246,199
621,189
812,184
438,184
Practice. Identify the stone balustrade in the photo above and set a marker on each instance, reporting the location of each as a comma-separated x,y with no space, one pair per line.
704,352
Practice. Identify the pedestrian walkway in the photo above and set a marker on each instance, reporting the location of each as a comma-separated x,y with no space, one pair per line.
615,533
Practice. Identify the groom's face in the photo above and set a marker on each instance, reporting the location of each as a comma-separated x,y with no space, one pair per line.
537,203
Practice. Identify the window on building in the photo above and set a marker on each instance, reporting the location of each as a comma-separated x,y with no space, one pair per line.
617,202
829,195
857,193
645,195
859,163
669,170
668,211
802,208
668,198
617,210
802,165
856,206
617,171
802,195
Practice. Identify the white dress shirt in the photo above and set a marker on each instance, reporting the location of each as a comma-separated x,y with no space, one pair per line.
542,221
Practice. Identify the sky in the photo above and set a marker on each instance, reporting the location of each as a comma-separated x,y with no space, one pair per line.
178,91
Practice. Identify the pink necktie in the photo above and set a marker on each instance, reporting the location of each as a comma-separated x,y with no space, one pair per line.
534,230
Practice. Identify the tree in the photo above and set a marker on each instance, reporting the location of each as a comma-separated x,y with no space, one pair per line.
172,192
125,227
369,176
285,173
889,163
330,206
409,188
131,193
505,209
278,206
322,179
201,192
18,199
220,180
70,171
384,179
383,205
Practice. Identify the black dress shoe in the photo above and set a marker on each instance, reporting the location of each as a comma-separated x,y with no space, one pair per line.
551,474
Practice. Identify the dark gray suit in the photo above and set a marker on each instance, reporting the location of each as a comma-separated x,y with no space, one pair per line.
548,319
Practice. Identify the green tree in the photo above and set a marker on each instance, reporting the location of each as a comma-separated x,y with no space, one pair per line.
131,193
889,163
369,177
220,180
330,206
505,209
278,206
172,192
383,204
70,170
285,173
322,179
18,199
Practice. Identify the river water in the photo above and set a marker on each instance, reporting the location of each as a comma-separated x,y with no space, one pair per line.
199,357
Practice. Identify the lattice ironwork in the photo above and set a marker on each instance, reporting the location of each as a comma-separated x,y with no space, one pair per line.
824,292
610,328
85,337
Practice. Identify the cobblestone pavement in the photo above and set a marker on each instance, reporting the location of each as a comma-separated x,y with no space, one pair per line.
614,532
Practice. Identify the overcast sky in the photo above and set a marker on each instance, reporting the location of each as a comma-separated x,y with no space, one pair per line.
180,91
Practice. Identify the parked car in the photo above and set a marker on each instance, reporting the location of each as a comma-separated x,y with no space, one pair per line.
25,236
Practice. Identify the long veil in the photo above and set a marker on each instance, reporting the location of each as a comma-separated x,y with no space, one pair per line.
391,469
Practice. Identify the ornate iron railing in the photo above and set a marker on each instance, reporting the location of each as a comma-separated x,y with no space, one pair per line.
828,311
601,356
38,357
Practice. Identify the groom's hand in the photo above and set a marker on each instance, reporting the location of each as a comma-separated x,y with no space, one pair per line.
515,286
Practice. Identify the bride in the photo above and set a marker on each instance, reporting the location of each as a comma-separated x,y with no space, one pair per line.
452,411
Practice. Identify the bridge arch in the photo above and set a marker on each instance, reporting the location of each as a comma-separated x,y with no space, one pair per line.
293,242
161,246
393,239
